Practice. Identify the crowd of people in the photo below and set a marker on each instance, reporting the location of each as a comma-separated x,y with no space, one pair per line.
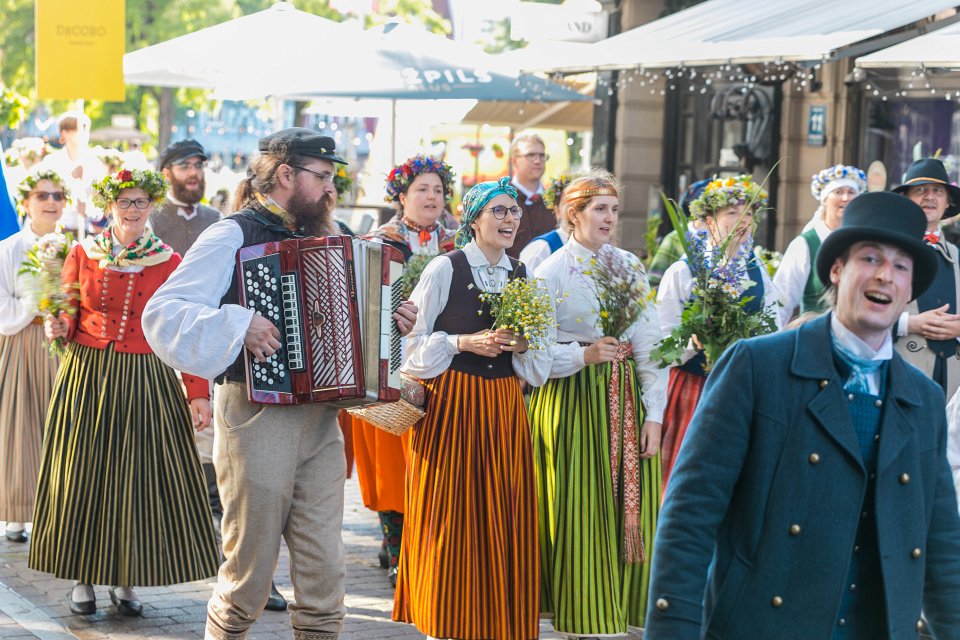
796,486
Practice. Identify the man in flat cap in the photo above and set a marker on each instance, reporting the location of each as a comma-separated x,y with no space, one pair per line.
928,331
280,468
812,497
181,218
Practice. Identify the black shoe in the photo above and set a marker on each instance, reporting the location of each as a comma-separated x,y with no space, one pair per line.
276,601
16,536
384,557
85,608
392,576
129,608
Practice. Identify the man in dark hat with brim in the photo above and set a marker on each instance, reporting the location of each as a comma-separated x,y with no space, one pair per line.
927,332
181,217
280,468
812,497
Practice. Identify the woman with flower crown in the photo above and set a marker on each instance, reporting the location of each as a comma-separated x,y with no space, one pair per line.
420,188
469,566
121,498
726,209
29,370
596,428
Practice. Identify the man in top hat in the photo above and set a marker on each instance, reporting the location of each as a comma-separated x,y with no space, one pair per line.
812,497
280,468
528,161
927,332
181,218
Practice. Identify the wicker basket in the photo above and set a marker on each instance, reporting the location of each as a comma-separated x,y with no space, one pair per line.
393,417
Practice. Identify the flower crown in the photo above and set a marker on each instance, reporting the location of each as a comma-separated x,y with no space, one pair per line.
838,172
728,192
399,179
553,193
108,190
28,184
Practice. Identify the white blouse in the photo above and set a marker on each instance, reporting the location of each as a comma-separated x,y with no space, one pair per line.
791,276
675,289
577,322
430,353
17,306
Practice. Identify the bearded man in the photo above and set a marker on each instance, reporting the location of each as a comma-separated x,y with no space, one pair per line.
180,218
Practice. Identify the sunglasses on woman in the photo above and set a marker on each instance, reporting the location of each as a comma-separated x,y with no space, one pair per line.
43,196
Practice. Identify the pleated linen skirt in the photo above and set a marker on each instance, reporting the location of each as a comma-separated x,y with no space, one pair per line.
469,566
121,498
26,384
683,395
585,583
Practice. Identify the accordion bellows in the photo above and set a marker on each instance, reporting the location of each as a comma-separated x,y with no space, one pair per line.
333,300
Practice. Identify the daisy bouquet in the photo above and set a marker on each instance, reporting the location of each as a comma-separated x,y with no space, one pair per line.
44,261
621,289
523,306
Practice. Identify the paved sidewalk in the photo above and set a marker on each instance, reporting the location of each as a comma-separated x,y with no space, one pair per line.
34,605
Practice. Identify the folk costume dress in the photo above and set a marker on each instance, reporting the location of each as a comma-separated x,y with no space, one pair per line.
121,498
469,566
26,383
687,380
598,500
796,279
380,456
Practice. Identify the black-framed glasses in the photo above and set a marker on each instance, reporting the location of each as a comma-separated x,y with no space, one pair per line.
325,176
499,211
139,203
43,196
532,157
198,165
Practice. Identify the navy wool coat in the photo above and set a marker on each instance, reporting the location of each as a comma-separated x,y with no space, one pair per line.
760,516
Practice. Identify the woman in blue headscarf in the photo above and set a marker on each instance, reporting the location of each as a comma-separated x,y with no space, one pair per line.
469,564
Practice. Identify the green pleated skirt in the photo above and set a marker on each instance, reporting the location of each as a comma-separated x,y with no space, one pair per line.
120,498
584,581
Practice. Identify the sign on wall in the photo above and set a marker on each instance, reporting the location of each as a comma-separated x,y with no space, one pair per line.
536,21
817,125
80,49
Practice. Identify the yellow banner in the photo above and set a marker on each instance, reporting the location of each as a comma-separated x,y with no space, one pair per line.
80,48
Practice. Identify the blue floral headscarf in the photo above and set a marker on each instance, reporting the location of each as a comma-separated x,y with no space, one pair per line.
475,200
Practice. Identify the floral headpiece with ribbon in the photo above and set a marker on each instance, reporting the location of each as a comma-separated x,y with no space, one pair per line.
28,184
728,192
831,178
108,190
553,193
399,179
475,200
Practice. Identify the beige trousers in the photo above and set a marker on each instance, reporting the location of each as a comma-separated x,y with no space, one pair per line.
280,470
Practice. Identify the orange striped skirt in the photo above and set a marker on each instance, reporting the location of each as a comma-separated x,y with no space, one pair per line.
469,565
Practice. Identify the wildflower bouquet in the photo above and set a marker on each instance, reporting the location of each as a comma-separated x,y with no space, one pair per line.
714,317
44,261
342,182
412,271
524,307
621,288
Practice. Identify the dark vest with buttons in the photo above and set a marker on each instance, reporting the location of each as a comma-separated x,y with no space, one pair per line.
258,226
465,313
941,292
537,219
697,363
863,606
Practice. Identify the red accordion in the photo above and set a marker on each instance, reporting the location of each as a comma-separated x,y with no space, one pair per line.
333,300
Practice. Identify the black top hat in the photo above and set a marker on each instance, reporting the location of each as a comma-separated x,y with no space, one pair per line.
304,142
931,171
181,150
883,217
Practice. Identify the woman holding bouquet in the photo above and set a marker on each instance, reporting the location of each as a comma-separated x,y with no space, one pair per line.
420,188
596,425
29,370
469,562
726,208
121,499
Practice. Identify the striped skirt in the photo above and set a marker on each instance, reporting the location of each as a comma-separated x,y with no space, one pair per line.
121,498
26,383
469,567
585,583
683,394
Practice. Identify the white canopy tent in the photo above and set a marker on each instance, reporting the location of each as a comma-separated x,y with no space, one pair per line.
937,50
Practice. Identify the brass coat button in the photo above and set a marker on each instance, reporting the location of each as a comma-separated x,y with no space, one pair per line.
777,601
663,604
916,553
904,478
878,403
814,458
851,397
824,383
794,529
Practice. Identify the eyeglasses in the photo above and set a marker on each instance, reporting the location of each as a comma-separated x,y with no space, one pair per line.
139,203
500,212
43,196
533,157
325,176
199,165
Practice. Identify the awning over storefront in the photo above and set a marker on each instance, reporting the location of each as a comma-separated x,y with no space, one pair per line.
720,32
937,50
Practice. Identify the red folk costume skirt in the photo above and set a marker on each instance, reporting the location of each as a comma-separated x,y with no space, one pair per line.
683,394
469,565
381,460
